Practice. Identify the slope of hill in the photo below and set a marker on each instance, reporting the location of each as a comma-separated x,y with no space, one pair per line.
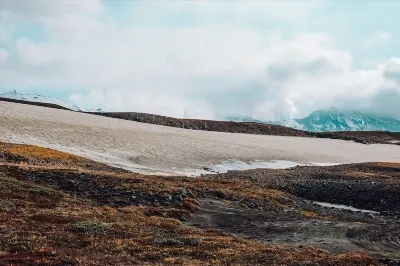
245,125
207,125
143,147
249,126
330,120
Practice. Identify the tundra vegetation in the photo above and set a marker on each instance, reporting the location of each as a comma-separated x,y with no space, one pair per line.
61,209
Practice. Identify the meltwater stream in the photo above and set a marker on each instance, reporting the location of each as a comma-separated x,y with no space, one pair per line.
343,207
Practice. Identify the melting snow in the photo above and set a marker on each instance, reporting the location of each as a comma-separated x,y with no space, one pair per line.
343,207
232,165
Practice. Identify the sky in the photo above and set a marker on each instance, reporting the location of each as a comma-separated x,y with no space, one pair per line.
270,60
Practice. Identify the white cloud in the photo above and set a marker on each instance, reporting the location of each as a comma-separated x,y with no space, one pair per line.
197,71
392,70
142,101
6,27
377,40
3,55
236,11
40,9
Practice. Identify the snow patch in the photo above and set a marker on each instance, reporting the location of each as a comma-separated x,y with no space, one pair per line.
232,165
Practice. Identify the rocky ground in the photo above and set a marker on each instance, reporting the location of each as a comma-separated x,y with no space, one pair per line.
365,137
61,209
370,187
368,137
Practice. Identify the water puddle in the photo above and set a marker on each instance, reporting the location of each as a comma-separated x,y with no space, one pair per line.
343,207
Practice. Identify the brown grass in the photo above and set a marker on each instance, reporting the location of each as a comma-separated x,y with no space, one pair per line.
22,154
308,214
386,165
37,152
39,229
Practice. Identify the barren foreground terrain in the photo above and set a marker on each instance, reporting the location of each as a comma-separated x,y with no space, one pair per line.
61,209
148,148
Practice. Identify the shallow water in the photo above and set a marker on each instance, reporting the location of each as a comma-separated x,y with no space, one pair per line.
343,207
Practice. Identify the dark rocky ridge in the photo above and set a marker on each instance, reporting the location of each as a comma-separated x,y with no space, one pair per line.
50,105
207,125
365,137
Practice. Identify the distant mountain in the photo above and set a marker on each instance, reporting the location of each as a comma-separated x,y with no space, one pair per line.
97,110
243,119
334,120
42,99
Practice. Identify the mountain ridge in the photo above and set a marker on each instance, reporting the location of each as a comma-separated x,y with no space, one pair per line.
343,120
333,120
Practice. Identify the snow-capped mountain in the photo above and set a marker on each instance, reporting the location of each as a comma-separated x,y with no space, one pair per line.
334,120
39,98
242,119
337,120
97,110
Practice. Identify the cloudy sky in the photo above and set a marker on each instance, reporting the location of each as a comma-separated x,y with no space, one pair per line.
205,59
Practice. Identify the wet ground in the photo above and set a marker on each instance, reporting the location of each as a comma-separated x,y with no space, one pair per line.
361,212
336,231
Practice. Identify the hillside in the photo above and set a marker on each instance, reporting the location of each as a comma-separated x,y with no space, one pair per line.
247,127
149,148
207,125
365,137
